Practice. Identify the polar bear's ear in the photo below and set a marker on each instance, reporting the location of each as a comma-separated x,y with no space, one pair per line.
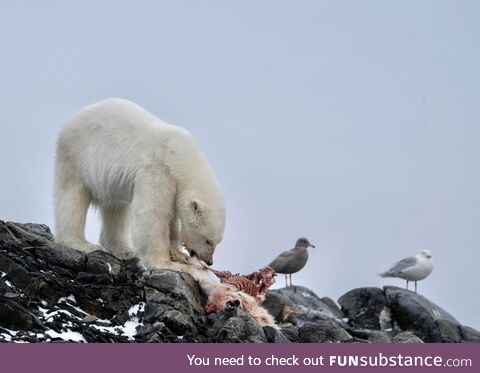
198,207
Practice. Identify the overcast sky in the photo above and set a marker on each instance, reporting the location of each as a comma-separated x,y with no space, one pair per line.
353,123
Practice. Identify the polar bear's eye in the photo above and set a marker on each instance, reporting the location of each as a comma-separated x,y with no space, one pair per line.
209,243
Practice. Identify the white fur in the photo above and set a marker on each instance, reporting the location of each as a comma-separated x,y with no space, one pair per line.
220,294
153,186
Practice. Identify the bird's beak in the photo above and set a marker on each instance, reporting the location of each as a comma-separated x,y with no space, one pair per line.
312,246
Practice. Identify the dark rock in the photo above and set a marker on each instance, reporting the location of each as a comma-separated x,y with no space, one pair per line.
323,332
50,293
155,296
4,288
299,305
215,321
15,316
19,275
103,263
27,235
415,313
62,257
291,332
333,307
156,327
449,331
406,337
180,285
241,328
469,334
275,302
274,335
364,307
374,336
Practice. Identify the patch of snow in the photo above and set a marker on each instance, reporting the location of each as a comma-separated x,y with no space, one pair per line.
66,336
306,295
69,300
109,268
112,329
12,332
133,311
103,321
47,314
8,336
70,297
56,312
129,329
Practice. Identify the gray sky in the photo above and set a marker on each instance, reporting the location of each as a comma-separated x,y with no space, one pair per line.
353,123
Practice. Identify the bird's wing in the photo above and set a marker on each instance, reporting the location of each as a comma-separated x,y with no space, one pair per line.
279,262
403,264
286,255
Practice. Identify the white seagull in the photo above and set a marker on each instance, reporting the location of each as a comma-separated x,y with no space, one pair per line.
414,268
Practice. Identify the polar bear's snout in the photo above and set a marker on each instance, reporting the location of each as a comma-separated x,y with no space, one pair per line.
205,255
208,260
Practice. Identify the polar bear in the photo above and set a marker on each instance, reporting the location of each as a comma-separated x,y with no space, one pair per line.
153,185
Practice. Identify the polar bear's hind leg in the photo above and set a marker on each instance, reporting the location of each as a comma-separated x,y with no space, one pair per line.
115,237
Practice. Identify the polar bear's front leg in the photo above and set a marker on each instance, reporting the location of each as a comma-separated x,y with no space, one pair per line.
72,200
176,254
153,207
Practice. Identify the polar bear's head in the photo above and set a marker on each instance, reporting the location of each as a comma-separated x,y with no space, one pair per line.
202,227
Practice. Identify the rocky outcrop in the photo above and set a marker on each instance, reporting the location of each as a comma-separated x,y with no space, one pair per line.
51,293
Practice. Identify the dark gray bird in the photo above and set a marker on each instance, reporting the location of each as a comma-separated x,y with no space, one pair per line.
292,261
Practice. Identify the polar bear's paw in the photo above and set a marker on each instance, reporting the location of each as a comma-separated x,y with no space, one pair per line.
179,257
125,254
83,246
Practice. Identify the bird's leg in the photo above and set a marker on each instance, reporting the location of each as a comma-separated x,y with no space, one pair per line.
290,276
415,287
286,280
407,285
